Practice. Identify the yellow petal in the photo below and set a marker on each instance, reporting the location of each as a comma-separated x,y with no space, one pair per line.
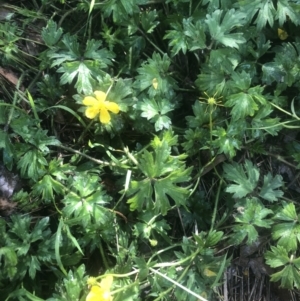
92,112
209,273
106,296
112,106
90,101
153,242
95,294
101,96
155,83
106,282
282,34
104,116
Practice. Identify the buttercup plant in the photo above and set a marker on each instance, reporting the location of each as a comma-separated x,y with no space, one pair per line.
156,203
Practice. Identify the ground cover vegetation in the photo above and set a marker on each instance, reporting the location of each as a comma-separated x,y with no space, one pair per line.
148,148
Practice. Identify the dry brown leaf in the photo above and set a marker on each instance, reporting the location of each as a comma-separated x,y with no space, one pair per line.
6,207
9,76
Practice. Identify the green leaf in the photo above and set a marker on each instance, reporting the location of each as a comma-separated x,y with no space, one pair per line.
220,68
287,213
219,30
88,209
244,103
142,265
93,51
73,239
156,68
213,238
263,9
140,194
188,36
32,164
10,261
241,232
285,67
83,73
260,123
28,241
262,46
211,80
51,34
287,233
120,9
86,66
4,112
40,230
269,190
226,59
150,226
195,34
129,5
254,214
58,238
59,169
52,181
277,257
86,200
72,286
34,265
178,39
241,81
148,20
131,291
245,178
27,128
167,187
46,186
272,72
201,117
289,275
5,142
266,13
228,141
286,12
70,52
215,4
20,293
155,112
193,140
163,178
155,164
121,93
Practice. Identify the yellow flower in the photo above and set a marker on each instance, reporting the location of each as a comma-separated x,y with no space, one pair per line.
282,34
155,83
101,292
101,106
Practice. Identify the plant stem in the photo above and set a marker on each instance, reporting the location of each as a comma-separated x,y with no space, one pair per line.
11,112
177,284
216,206
103,256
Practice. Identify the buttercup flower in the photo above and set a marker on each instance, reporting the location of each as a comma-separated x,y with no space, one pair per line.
101,106
282,34
101,292
155,83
